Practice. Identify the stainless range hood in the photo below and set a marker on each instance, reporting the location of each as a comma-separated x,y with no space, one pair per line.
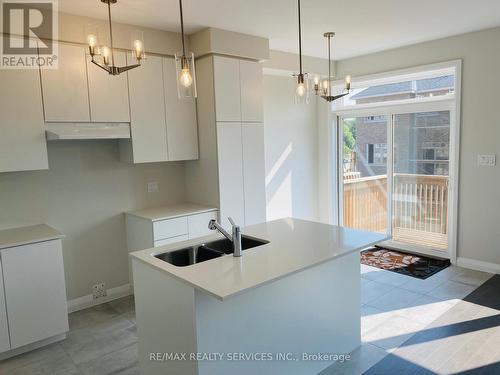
82,131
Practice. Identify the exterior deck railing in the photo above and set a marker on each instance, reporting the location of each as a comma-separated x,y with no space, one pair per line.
420,209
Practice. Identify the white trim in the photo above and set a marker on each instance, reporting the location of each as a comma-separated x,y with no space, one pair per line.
415,72
454,160
395,245
87,301
434,104
478,265
450,103
28,348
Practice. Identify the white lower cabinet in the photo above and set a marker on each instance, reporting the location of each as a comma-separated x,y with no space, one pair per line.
145,231
4,329
198,224
35,292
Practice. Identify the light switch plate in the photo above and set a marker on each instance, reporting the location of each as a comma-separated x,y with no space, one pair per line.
486,160
153,187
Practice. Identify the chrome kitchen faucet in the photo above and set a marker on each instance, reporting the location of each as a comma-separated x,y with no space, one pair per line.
235,238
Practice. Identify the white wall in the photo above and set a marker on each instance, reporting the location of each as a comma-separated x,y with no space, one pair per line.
479,193
291,144
84,194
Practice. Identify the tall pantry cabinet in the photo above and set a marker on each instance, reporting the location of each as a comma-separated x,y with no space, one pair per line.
230,114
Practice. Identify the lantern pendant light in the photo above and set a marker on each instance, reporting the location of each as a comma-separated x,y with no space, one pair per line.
184,65
106,54
325,91
302,83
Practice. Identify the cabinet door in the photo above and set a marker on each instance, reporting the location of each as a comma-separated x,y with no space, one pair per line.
147,112
35,292
22,132
254,175
182,128
108,94
65,91
227,89
251,91
230,173
4,330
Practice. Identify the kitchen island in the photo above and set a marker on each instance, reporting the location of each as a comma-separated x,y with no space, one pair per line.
271,311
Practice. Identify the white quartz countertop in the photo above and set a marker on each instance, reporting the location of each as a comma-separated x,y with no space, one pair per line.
170,212
294,245
26,235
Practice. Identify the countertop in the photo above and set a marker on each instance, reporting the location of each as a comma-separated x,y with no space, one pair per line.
26,235
295,245
170,212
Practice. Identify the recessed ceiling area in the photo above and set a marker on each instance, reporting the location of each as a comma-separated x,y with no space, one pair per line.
362,26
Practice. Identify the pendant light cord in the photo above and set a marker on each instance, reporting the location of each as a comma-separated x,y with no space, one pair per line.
111,35
182,30
300,41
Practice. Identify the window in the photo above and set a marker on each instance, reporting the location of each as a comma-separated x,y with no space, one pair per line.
376,153
400,88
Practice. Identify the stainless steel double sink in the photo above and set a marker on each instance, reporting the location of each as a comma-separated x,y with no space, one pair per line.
206,251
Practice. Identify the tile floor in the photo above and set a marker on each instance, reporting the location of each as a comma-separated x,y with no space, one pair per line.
396,308
103,340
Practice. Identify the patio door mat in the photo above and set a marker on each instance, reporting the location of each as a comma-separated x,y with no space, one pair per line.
413,265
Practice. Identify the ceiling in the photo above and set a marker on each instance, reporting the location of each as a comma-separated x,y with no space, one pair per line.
362,26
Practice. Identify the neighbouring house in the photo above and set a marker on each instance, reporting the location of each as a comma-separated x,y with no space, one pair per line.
421,139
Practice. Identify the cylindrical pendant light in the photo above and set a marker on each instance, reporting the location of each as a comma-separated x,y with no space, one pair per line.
301,79
184,65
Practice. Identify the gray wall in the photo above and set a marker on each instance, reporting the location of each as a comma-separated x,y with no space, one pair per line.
479,193
291,146
84,194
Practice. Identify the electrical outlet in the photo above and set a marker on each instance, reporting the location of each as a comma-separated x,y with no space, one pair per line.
99,290
153,187
486,160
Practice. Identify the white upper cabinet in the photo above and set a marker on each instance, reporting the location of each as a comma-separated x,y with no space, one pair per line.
22,133
254,173
231,197
251,91
147,112
182,127
227,89
108,94
65,90
4,328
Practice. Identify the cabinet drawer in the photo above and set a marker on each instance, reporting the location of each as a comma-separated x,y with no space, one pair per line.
168,241
198,224
170,228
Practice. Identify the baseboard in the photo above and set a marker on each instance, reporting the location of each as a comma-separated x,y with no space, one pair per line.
478,265
30,347
89,301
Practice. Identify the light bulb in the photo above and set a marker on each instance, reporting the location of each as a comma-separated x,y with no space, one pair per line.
105,54
348,82
138,48
316,80
91,40
301,89
185,78
325,84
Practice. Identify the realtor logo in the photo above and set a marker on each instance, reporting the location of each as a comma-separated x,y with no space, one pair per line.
29,29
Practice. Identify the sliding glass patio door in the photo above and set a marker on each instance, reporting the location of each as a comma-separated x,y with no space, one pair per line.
364,156
395,171
421,171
